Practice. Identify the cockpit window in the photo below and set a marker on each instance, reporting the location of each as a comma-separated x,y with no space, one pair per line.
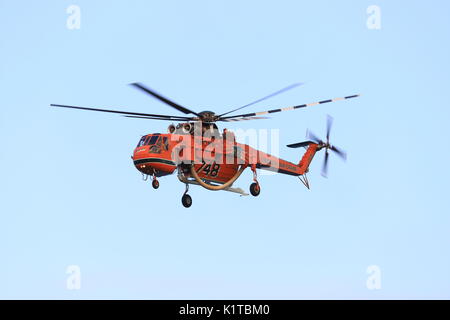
148,140
166,143
141,142
156,148
152,140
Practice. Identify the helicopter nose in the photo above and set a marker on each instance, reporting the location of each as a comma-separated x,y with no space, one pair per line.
140,162
144,168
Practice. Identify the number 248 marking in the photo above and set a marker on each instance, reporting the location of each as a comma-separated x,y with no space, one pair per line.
211,170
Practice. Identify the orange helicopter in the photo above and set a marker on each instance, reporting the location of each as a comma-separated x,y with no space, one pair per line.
202,155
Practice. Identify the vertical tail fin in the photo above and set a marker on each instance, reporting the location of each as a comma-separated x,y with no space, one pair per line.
309,154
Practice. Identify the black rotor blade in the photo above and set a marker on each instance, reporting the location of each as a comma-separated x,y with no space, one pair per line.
163,99
243,118
329,125
292,86
159,116
325,165
313,137
289,108
339,152
154,118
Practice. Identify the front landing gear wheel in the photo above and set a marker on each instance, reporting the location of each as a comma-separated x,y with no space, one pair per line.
155,184
186,200
255,189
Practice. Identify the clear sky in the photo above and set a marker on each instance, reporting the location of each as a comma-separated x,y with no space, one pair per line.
70,194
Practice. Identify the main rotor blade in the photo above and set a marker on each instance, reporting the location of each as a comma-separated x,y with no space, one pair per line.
289,108
154,118
329,125
159,116
163,99
243,118
292,86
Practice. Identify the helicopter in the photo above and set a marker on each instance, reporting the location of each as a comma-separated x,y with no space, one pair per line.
214,160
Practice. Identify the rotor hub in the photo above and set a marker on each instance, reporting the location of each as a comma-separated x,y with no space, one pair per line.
207,116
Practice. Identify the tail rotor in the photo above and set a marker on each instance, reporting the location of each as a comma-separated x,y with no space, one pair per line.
326,144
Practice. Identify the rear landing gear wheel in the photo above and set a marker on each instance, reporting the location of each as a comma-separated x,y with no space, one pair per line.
186,200
255,189
155,184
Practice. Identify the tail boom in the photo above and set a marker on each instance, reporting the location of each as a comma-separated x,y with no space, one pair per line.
282,166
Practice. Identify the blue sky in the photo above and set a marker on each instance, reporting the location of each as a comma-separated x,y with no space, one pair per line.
71,196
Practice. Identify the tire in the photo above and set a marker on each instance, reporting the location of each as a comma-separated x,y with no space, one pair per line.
155,184
186,200
255,189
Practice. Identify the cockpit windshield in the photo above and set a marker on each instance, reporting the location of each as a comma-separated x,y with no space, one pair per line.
148,140
152,140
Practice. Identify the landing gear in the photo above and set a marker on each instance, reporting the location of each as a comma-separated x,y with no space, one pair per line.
255,189
155,182
186,199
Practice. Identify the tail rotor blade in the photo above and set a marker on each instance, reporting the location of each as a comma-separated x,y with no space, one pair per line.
325,165
329,125
339,152
313,137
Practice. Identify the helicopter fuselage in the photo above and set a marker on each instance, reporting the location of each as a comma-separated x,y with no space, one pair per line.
216,159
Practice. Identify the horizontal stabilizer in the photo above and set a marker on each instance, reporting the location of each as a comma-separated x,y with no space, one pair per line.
300,144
